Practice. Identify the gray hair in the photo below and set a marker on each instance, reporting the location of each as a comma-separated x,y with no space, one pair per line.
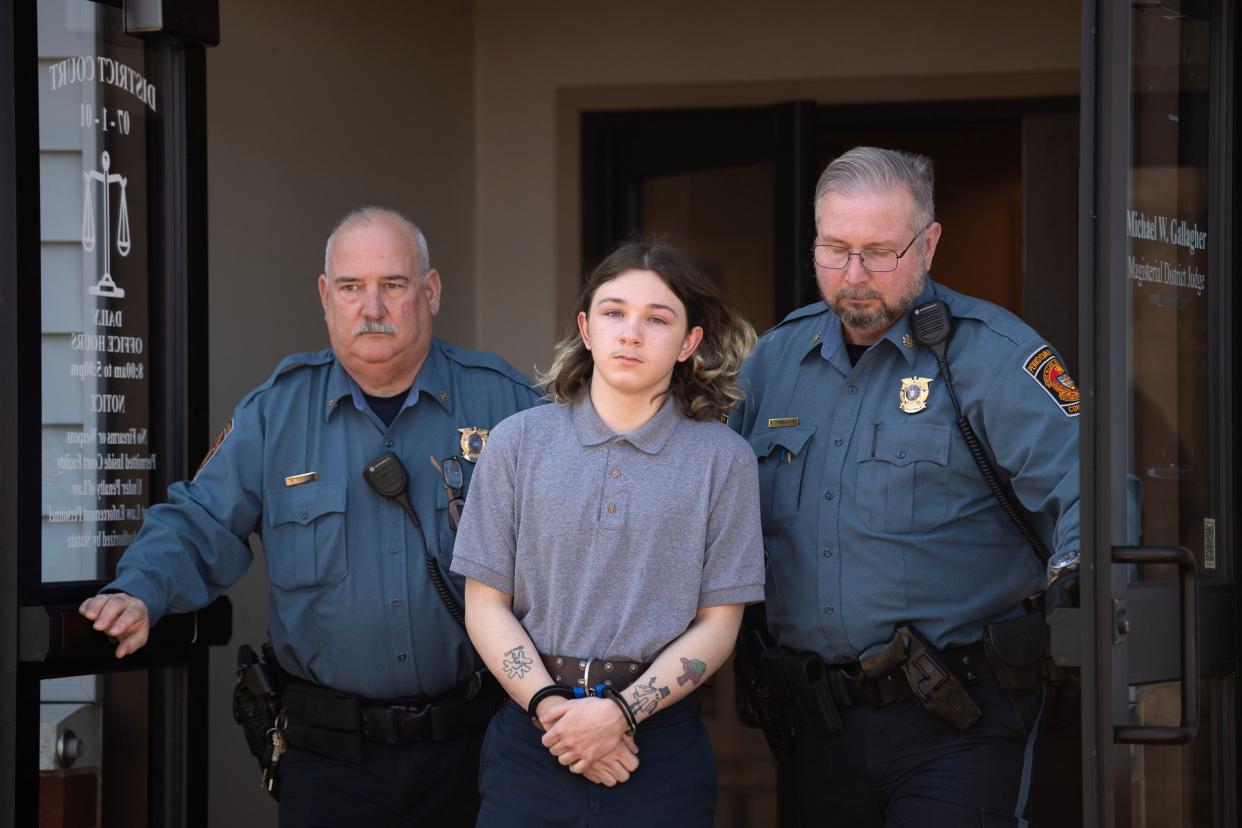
871,169
369,215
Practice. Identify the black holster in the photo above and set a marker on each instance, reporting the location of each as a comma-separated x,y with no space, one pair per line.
256,706
803,683
757,702
1015,649
936,688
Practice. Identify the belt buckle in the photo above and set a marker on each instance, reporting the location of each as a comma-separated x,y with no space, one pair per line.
408,718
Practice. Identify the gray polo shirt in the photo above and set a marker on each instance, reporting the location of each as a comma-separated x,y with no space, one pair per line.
610,543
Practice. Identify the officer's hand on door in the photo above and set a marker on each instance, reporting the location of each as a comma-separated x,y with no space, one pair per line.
121,617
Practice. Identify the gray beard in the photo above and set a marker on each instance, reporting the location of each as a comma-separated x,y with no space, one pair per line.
880,318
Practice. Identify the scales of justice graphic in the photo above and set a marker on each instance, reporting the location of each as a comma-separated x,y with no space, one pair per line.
105,286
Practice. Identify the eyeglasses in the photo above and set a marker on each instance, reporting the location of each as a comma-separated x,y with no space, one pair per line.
874,259
450,470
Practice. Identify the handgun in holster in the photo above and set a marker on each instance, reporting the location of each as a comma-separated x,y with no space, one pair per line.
757,700
256,707
936,688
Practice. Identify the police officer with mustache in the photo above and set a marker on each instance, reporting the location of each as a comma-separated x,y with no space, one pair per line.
383,711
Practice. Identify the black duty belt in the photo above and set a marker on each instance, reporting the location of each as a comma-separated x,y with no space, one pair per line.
849,687
336,724
589,672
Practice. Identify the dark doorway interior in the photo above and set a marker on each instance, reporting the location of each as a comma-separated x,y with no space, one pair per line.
726,184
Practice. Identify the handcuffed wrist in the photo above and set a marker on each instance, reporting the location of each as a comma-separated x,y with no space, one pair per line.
631,721
532,709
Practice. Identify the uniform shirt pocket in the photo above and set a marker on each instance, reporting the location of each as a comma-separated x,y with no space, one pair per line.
782,458
902,477
305,538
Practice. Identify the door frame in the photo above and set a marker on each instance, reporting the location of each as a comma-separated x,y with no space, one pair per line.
41,634
1105,140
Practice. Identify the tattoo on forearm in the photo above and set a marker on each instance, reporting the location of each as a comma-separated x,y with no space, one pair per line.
516,664
695,670
647,697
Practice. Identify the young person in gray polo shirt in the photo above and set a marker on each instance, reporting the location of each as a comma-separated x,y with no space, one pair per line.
610,543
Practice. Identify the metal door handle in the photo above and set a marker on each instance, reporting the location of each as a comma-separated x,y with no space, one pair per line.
1188,576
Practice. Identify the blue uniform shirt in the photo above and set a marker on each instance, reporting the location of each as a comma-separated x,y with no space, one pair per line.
873,516
352,606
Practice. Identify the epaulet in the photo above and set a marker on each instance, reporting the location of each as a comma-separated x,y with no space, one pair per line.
992,316
487,360
288,365
807,312
813,309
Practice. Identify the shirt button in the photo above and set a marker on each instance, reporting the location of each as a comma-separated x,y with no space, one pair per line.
305,515
396,603
623,442
392,550
827,553
827,610
853,389
829,495
838,441
614,474
612,507
400,656
388,443
901,454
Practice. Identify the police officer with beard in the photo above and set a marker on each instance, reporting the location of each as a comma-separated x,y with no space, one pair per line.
897,585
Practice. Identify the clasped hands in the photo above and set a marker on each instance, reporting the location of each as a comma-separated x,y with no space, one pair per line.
589,737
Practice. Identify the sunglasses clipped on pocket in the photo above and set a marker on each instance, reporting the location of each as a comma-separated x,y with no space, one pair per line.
450,472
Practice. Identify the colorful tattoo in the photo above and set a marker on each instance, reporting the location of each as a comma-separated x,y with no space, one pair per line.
694,671
647,697
516,664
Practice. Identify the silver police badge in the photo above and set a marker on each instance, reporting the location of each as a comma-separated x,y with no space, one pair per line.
473,441
914,391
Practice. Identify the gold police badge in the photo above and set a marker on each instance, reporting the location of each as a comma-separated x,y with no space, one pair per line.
914,391
473,441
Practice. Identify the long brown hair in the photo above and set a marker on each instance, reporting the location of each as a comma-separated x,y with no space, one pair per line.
705,386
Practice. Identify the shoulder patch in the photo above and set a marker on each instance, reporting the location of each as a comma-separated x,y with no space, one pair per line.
215,446
1045,367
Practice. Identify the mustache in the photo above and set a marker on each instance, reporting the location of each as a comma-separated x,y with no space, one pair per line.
857,293
373,326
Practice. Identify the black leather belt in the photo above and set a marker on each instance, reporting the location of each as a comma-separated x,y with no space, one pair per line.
588,672
338,725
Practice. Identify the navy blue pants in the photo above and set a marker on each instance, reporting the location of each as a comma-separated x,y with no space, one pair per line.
675,783
901,767
432,784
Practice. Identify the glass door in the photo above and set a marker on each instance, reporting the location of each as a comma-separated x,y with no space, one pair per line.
106,288
1159,580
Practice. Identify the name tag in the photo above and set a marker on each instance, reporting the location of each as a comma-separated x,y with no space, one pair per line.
782,422
299,479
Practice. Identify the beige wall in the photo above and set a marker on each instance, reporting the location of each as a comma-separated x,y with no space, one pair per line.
538,64
314,108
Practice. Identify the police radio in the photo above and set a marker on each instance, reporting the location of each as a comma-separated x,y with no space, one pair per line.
387,476
932,326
